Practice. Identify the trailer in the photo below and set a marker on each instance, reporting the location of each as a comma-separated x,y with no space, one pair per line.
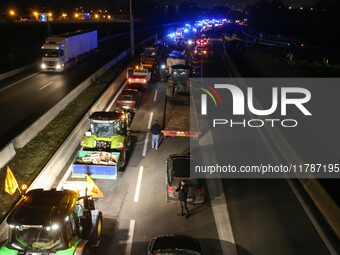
97,164
180,117
61,51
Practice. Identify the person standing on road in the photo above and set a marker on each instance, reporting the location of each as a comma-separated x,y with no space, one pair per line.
183,190
155,131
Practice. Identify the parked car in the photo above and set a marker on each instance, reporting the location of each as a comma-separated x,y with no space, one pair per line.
174,244
178,168
129,99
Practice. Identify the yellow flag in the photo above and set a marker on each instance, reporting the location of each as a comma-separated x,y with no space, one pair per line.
11,184
94,190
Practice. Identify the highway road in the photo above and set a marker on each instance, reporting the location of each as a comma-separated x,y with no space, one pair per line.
265,216
27,96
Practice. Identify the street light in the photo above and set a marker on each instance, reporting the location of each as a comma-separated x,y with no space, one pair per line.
11,13
132,41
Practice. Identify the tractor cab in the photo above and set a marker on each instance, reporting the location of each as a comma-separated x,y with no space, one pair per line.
53,222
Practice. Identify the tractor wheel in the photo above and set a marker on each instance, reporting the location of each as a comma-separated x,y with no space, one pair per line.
97,233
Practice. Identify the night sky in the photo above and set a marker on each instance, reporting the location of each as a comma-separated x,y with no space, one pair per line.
109,4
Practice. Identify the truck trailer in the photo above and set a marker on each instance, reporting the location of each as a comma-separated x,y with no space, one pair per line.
61,51
180,113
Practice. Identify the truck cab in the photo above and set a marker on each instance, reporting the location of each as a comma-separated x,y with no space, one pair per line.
53,56
53,222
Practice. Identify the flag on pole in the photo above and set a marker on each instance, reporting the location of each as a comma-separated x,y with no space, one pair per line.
11,184
93,188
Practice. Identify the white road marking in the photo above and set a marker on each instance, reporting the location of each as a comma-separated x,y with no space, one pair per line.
130,237
145,144
283,146
46,85
150,120
155,96
14,83
116,96
139,184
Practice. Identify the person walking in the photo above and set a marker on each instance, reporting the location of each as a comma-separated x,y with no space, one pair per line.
155,131
183,190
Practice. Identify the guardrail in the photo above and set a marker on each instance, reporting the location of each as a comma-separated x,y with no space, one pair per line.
55,166
7,153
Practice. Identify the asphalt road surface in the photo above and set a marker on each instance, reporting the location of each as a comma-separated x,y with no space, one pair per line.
27,96
265,216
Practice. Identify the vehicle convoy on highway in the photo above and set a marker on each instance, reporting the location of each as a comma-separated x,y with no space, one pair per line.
177,169
104,146
174,244
53,222
179,113
61,51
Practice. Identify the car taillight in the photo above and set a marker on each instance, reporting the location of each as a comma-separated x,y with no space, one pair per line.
144,80
171,189
133,102
200,190
195,51
130,80
205,52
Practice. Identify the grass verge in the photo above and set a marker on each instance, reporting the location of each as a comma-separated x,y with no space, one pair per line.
31,159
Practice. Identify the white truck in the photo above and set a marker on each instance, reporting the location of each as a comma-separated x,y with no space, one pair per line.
61,51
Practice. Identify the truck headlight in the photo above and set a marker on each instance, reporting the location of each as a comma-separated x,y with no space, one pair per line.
58,66
43,66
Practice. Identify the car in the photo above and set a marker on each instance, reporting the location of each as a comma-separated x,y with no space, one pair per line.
175,245
53,222
129,100
200,50
177,169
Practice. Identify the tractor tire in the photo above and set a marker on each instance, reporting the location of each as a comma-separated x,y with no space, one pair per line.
97,234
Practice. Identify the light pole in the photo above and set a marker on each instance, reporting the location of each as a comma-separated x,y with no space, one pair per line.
131,31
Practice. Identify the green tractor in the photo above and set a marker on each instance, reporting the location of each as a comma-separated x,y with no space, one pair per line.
109,131
53,222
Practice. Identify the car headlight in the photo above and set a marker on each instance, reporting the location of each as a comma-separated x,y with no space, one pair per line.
58,66
43,66
163,66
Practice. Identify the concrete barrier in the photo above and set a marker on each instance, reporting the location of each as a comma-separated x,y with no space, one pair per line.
52,171
6,154
26,136
8,74
312,186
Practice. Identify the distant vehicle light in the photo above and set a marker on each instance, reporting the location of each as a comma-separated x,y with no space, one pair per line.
163,66
190,42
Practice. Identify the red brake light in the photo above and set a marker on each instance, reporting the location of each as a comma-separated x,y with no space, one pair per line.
201,190
133,102
171,189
